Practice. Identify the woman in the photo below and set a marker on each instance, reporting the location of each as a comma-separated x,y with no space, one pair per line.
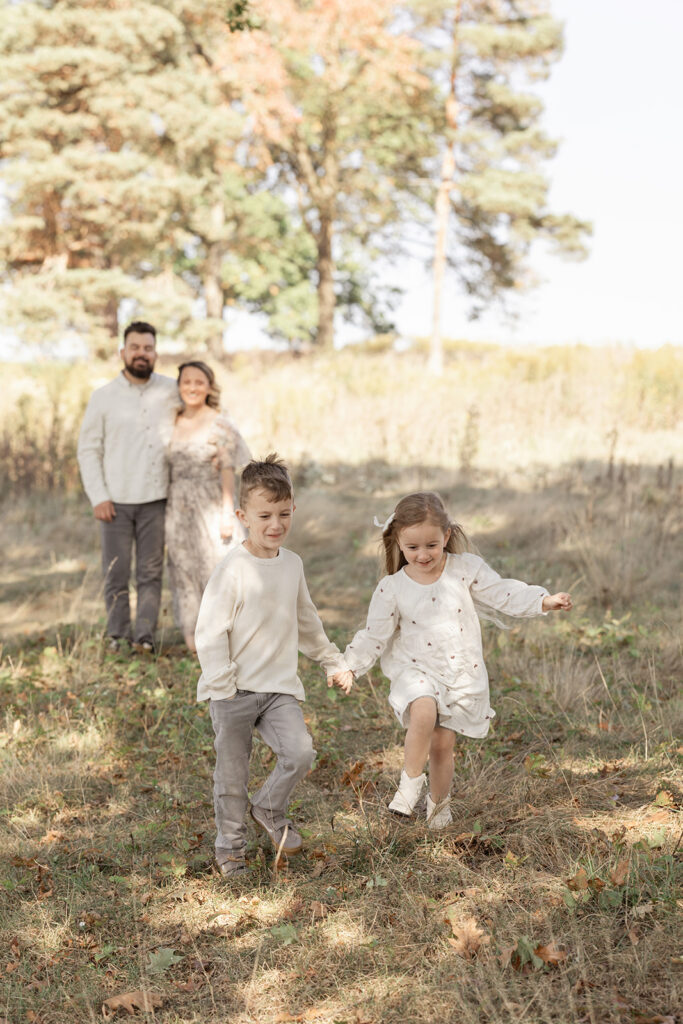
204,452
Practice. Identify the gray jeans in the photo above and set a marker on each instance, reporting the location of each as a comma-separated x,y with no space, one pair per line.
142,525
280,722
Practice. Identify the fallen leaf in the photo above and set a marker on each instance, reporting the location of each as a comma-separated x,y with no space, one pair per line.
642,909
619,874
655,1018
468,937
664,799
318,910
130,1001
352,774
550,954
634,936
579,881
506,955
162,959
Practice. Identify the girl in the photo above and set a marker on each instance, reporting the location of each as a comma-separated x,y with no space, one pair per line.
423,624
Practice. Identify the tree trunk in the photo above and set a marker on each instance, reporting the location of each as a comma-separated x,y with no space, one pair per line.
442,207
443,199
326,296
214,298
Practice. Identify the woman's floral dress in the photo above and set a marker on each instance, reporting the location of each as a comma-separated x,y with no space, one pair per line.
193,513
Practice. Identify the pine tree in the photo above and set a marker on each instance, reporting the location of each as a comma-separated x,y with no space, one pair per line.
120,150
491,197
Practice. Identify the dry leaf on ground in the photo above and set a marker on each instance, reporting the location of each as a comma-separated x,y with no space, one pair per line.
620,873
550,954
131,1001
579,880
468,937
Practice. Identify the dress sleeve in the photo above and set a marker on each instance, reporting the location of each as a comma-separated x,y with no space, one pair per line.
313,641
369,643
231,450
511,597
212,636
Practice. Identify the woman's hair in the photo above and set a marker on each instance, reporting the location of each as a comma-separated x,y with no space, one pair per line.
421,507
213,399
270,475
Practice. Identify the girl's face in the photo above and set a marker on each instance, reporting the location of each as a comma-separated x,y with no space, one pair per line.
423,546
193,386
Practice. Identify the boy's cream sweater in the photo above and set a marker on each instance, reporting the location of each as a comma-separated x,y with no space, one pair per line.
255,615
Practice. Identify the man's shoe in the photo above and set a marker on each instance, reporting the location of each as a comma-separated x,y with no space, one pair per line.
145,647
292,840
113,644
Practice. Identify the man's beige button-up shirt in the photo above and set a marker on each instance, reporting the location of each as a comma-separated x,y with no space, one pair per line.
121,446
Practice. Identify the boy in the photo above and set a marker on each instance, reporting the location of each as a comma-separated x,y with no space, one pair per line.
256,613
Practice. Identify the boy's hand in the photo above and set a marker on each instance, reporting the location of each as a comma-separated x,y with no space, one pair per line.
557,603
344,680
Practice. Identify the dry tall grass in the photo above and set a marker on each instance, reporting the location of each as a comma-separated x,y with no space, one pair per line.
552,899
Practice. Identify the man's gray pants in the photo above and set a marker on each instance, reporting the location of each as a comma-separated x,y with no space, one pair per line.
142,525
280,722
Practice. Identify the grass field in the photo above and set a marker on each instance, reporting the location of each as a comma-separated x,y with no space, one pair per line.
555,896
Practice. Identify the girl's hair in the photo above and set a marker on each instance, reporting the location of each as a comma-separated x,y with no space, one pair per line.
421,507
213,399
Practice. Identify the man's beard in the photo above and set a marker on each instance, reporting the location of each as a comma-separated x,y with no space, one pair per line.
139,371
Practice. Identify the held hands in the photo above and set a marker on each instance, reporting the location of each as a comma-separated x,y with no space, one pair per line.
344,680
557,603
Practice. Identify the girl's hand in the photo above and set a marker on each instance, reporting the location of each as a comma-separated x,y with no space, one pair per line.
344,680
557,603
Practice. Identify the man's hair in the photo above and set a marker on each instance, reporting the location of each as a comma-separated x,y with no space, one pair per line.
270,475
139,327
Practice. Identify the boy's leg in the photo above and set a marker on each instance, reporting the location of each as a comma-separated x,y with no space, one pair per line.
233,723
281,725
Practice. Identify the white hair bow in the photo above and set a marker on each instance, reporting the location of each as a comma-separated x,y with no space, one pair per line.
383,526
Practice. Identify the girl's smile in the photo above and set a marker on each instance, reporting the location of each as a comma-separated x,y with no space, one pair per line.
423,549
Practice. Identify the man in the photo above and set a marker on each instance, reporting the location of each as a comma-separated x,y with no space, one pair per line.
123,468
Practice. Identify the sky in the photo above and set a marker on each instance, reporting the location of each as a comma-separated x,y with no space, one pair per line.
613,101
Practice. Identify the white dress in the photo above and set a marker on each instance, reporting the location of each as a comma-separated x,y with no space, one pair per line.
428,638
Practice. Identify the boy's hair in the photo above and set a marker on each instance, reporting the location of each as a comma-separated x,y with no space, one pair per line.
139,327
270,475
420,507
213,399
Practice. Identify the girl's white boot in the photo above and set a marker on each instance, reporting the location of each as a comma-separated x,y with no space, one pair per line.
439,815
407,794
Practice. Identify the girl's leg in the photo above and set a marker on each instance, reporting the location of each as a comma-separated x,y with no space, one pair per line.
421,726
441,763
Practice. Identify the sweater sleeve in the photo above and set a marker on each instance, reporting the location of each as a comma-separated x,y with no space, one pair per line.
313,641
512,597
369,643
212,636
91,452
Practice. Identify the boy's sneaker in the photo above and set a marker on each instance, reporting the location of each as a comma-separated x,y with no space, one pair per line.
232,867
293,841
439,815
407,794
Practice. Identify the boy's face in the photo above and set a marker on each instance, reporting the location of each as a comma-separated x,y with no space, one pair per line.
268,521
